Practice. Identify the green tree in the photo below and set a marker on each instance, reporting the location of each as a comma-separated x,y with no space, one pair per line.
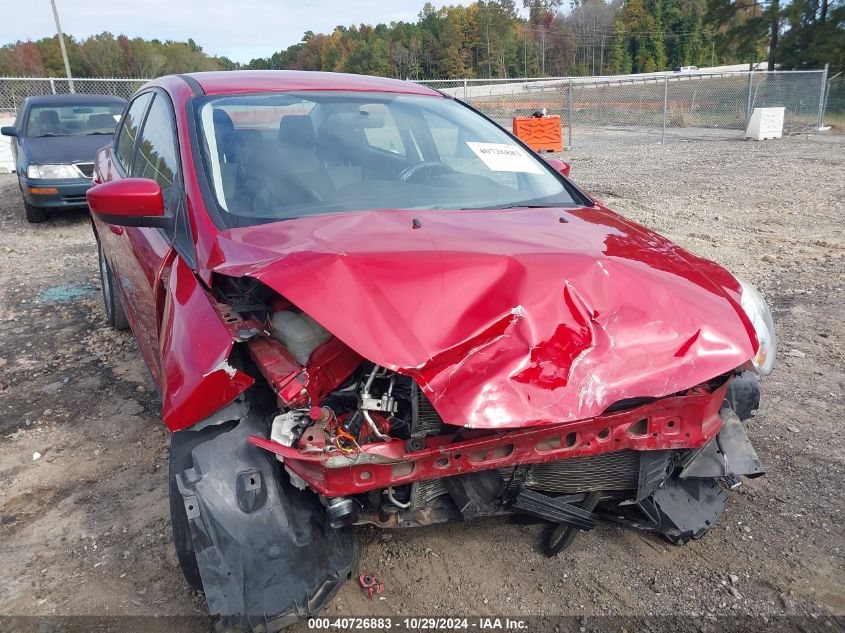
815,36
148,59
488,38
639,38
686,37
541,18
740,30
51,56
102,56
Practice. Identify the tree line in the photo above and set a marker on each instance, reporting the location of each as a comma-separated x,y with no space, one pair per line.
104,55
493,38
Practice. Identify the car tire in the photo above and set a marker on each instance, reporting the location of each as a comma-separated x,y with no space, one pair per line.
182,539
115,316
34,215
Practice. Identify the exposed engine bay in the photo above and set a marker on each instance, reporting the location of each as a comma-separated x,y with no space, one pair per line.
376,405
326,440
375,449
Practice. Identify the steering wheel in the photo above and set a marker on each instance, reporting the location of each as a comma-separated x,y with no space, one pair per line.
426,165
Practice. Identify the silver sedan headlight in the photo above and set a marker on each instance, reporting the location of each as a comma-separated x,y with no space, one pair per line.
761,318
52,172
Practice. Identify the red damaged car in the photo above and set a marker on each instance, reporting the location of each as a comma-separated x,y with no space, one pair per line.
363,302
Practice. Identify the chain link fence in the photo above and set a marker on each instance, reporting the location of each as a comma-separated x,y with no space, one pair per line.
13,90
835,102
656,107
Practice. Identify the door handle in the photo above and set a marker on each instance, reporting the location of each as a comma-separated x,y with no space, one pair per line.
117,230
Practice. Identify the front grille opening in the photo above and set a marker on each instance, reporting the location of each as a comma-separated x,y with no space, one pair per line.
87,169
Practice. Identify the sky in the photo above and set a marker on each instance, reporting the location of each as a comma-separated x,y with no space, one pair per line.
239,29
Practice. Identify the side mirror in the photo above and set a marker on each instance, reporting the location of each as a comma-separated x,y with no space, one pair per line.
129,202
559,165
8,130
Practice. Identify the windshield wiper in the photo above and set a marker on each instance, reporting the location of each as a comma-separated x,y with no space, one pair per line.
516,205
98,132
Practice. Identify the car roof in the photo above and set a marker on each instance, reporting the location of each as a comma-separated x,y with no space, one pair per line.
235,81
72,99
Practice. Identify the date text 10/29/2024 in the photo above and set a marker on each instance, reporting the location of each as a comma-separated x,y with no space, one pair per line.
418,624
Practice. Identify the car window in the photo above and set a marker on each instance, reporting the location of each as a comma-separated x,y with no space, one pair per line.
73,120
386,136
156,156
276,156
129,130
266,118
454,152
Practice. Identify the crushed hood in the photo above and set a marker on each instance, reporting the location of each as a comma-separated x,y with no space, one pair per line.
506,318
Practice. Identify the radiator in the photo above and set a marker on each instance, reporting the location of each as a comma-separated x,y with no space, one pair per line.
608,471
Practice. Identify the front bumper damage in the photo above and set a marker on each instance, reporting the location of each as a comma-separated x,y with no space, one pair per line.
686,421
270,554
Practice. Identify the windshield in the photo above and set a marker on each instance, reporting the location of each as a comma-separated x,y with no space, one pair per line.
73,120
285,155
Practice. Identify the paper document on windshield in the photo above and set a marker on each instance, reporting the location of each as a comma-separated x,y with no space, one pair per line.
504,157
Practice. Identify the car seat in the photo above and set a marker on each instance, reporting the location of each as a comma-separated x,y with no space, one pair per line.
298,154
47,123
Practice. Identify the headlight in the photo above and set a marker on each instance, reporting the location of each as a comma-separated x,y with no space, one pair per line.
52,172
761,318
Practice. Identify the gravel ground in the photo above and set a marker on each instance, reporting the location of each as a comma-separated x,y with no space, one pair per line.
84,529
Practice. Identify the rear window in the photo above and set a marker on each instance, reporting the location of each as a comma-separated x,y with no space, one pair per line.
73,120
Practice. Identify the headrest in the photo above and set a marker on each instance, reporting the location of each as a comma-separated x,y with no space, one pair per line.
222,121
296,130
48,117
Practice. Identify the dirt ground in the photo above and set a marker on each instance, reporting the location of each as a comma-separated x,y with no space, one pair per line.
84,529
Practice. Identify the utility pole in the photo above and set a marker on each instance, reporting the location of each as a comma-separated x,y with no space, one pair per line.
525,48
774,8
62,46
487,13
752,62
601,62
543,47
